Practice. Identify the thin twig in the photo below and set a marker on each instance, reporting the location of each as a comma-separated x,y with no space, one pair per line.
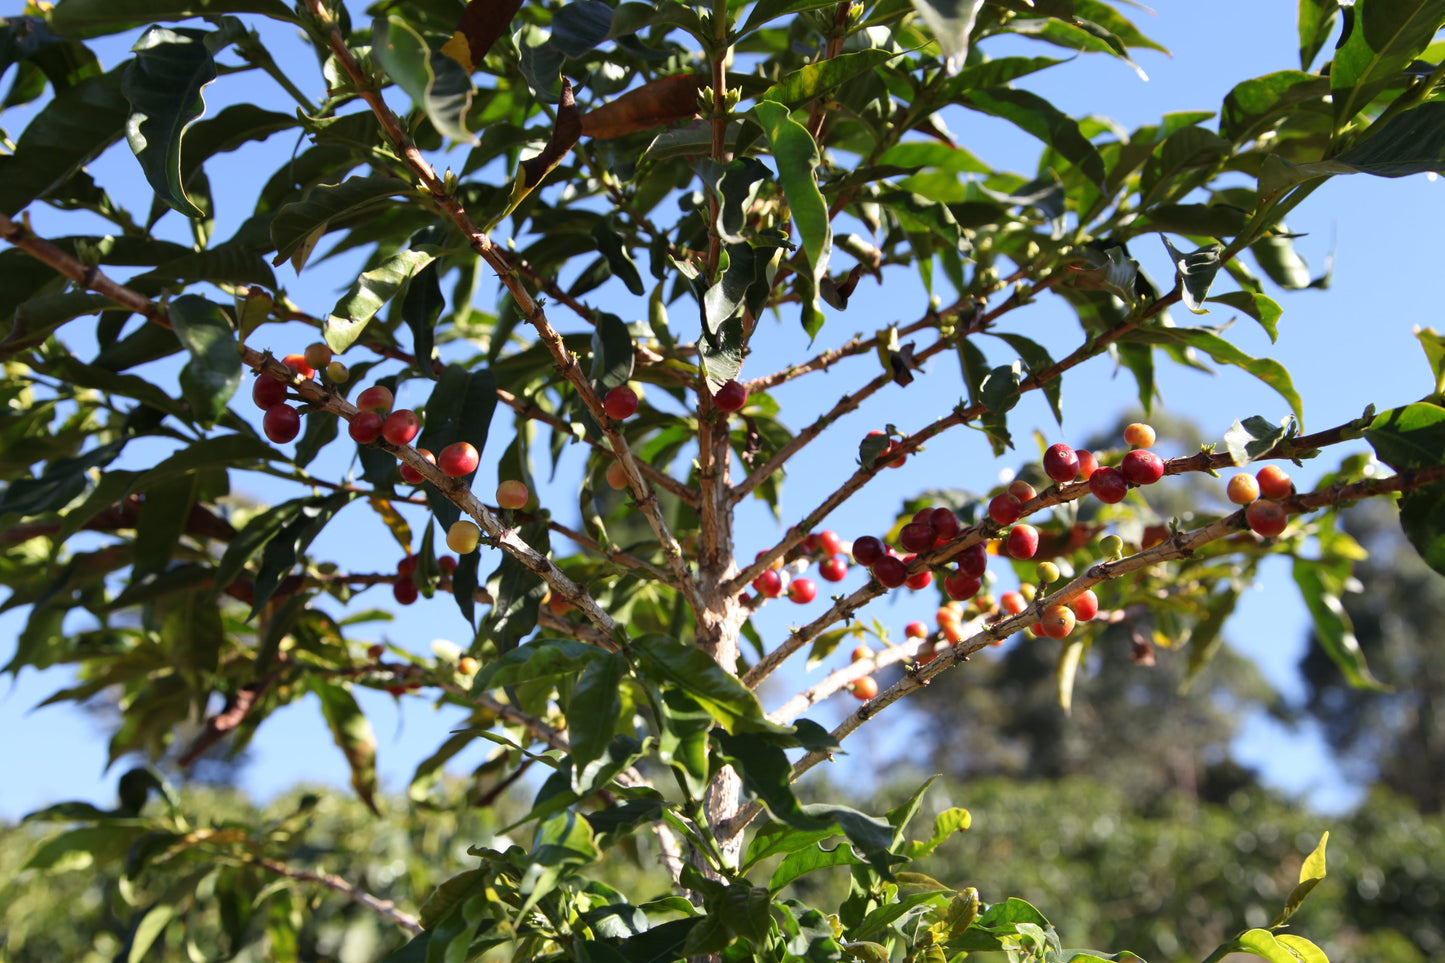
384,908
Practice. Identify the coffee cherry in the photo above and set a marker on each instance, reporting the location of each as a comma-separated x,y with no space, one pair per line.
776,563
365,427
889,571
916,537
317,355
458,459
281,423
1029,591
1061,463
1012,603
944,523
513,494
404,591
1141,467
468,665
620,402
1242,489
463,537
961,587
337,373
1005,509
267,392
896,462
1046,573
401,426
297,363
927,652
1022,541
406,568
864,689
374,652
920,581
769,584
1085,605
973,561
1266,517
802,590
1021,490
915,630
1058,621
1108,485
1274,482
1139,435
1112,546
867,550
1088,464
410,475
860,653
447,564
616,476
376,398
833,569
730,396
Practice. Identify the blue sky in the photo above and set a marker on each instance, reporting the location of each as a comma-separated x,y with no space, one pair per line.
1378,231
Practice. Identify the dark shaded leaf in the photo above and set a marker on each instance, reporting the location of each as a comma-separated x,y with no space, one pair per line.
297,225
482,23
89,18
612,353
592,715
1379,40
352,733
369,293
1321,585
1043,120
213,373
460,408
619,259
1195,272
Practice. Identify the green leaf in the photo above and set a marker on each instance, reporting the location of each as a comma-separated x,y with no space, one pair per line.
369,294
164,87
1247,440
1262,308
1037,358
810,860
297,224
800,86
1266,945
420,308
1036,116
1406,438
517,593
767,776
543,659
798,160
1256,105
592,715
1310,873
1316,23
1195,272
460,408
285,546
1380,38
612,353
1434,346
353,735
1267,370
619,259
70,131
437,83
213,373
670,662
950,22
1320,585
579,26
1408,143
148,929
89,18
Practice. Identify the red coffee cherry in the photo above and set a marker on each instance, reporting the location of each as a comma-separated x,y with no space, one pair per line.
1022,541
802,590
867,550
458,459
1005,509
297,363
1266,517
404,591
1088,464
889,571
365,427
1085,605
1108,485
620,402
916,537
410,475
769,584
1058,621
1274,482
833,569
401,426
944,523
730,396
961,587
1061,463
267,392
973,561
281,423
1141,467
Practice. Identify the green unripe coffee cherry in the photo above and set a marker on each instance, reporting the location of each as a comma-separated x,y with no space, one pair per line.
337,373
1112,546
1047,572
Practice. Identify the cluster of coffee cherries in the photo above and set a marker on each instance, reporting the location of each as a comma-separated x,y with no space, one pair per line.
466,665
403,587
1261,494
464,536
931,527
621,402
825,548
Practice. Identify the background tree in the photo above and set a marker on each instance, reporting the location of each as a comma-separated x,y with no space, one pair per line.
758,160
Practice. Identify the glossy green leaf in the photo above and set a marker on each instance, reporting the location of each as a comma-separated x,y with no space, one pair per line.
35,319
1262,308
284,547
213,373
1434,346
619,259
1320,586
1037,358
352,734
69,132
1195,272
300,222
1380,37
813,80
369,294
612,353
148,929
438,84
1267,370
164,87
1254,105
592,715
89,18
670,662
1036,116
1316,23
420,308
579,26
809,860
1406,438
798,159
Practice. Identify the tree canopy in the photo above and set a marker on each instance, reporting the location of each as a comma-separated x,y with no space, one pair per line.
564,228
